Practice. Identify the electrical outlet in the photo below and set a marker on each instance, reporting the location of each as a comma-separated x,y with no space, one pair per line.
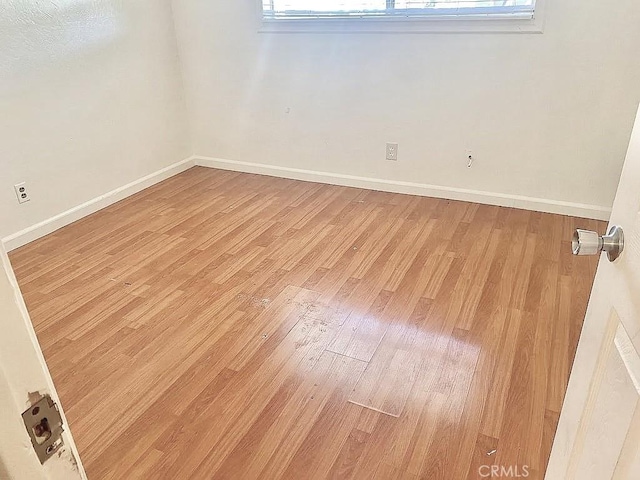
22,193
392,151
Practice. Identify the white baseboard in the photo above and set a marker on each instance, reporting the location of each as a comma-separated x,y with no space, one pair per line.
65,218
395,186
52,224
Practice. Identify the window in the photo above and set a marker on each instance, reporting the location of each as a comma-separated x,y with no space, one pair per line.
397,9
401,16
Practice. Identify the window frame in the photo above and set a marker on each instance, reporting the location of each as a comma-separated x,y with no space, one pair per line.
405,25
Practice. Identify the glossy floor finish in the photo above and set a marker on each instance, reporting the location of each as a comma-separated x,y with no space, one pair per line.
226,325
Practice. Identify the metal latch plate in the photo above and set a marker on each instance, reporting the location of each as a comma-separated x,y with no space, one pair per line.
44,425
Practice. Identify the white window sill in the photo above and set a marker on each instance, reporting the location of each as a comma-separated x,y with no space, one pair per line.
475,24
404,25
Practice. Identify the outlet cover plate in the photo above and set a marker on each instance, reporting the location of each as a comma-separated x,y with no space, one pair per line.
21,192
392,152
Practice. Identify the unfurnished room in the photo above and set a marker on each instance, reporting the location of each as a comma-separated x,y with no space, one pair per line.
319,239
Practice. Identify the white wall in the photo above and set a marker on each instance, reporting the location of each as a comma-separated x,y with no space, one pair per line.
547,116
90,100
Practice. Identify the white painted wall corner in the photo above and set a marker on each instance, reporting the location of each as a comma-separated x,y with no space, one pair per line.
491,198
52,224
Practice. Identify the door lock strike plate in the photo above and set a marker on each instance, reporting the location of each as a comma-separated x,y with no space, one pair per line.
44,425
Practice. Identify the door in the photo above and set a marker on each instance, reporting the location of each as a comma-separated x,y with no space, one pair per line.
598,434
24,384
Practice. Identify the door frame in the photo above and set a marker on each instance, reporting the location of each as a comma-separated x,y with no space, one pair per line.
24,376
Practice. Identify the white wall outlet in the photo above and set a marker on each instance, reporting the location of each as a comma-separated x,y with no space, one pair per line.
392,151
22,193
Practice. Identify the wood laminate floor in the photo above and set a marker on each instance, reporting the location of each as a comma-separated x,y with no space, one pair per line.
226,325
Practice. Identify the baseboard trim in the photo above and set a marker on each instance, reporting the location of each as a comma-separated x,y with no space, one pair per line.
52,224
395,186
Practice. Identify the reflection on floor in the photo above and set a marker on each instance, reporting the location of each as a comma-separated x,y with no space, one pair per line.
226,325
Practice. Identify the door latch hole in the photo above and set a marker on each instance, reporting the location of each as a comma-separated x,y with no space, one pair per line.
42,431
